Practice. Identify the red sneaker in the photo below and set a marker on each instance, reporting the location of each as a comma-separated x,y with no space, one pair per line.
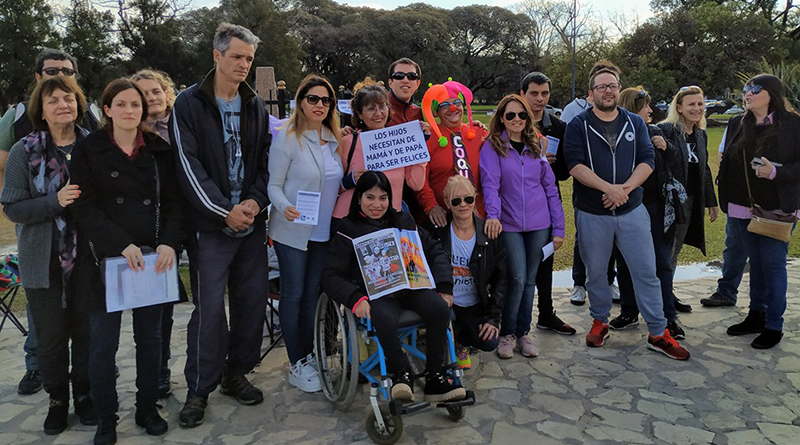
598,334
668,346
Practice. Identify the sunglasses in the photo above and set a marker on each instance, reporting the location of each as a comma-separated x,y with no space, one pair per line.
400,76
690,87
455,202
642,94
313,99
511,115
455,102
755,89
54,71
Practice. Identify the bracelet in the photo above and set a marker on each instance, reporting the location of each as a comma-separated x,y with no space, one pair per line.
359,302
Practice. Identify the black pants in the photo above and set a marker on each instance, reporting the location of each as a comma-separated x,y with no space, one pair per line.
104,346
385,313
544,285
466,328
57,325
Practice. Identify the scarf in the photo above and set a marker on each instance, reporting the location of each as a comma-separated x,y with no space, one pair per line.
675,195
48,167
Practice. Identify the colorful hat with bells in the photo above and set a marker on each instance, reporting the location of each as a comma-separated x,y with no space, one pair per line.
439,93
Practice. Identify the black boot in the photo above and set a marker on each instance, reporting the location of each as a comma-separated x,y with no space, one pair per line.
84,407
439,388
149,419
403,386
106,431
164,388
56,420
767,339
193,411
752,324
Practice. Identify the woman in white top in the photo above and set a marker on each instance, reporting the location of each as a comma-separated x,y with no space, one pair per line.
305,164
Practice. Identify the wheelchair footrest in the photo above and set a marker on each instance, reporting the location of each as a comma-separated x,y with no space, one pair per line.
469,400
397,407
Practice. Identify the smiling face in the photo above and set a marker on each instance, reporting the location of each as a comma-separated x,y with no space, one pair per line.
156,98
404,88
234,65
374,115
515,125
374,202
450,113
59,108
126,110
646,112
315,113
537,96
691,108
605,92
757,103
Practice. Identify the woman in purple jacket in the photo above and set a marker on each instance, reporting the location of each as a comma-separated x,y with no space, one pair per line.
522,201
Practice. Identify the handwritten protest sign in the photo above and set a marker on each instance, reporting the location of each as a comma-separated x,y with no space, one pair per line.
394,147
344,106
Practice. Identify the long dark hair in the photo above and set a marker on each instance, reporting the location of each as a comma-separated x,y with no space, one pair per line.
367,181
530,135
778,106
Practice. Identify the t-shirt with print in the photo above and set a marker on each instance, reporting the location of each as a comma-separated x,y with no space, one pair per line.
232,136
465,293
611,129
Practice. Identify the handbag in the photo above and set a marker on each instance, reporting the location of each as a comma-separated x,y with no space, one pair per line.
770,223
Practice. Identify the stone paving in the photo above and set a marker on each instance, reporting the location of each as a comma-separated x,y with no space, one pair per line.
727,393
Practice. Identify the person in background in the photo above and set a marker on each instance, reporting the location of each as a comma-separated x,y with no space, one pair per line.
35,196
576,107
761,171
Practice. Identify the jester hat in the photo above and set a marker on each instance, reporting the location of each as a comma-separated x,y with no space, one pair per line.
440,93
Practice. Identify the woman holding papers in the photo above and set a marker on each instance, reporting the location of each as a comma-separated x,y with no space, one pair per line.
305,173
371,110
370,211
36,193
521,197
129,203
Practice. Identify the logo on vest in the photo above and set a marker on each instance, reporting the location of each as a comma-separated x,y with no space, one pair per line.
629,136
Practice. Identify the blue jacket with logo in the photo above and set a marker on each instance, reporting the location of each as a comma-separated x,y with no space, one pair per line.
612,161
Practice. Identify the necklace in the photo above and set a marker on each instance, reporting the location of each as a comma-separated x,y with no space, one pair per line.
67,152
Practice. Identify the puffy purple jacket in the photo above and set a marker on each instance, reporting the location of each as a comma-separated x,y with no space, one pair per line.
520,191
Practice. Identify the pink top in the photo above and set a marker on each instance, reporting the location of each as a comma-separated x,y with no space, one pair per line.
742,212
413,175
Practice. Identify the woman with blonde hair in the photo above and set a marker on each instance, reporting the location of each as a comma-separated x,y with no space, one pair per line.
159,91
305,161
521,199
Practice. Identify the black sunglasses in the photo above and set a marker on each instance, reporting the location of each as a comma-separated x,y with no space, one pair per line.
511,115
455,202
313,99
54,71
755,89
400,76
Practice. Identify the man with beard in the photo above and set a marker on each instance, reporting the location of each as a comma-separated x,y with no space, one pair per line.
609,153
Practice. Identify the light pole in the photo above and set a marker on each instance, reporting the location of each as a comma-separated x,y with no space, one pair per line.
574,32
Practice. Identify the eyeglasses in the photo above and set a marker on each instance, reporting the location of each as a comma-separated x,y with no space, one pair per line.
372,109
642,94
400,76
313,99
455,202
754,89
511,115
604,88
54,71
690,87
456,102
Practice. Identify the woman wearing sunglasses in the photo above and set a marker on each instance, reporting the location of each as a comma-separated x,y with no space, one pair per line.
521,195
305,161
685,132
761,172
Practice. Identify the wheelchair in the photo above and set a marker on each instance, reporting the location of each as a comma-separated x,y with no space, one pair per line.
336,336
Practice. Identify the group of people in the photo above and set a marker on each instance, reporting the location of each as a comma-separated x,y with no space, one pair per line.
204,172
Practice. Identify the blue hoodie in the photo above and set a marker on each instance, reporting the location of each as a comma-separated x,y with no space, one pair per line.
584,143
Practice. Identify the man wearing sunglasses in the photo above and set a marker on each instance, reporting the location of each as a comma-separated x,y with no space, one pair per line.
404,80
14,126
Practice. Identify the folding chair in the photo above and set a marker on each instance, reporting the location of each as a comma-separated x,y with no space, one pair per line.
10,284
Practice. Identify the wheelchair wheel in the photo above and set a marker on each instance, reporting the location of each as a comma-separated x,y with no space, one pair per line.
394,427
336,350
456,413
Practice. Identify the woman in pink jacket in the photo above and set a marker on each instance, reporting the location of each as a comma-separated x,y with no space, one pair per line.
370,106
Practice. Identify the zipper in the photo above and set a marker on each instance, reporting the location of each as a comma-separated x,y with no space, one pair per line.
524,209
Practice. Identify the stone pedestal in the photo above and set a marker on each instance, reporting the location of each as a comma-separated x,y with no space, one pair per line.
266,87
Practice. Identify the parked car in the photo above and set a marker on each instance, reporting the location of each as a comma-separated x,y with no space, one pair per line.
553,110
734,110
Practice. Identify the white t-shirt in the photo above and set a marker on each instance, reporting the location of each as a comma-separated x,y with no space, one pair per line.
465,293
330,190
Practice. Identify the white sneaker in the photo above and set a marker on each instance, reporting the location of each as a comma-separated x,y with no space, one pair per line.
303,376
578,296
311,359
614,293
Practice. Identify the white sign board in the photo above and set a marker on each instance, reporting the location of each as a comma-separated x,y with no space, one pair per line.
344,106
394,147
126,289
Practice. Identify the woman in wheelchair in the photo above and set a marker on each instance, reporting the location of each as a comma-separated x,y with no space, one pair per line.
479,272
370,211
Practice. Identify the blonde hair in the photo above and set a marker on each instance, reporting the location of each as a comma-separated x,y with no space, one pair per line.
162,79
297,120
456,183
675,118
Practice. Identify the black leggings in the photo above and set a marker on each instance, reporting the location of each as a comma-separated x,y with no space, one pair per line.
385,313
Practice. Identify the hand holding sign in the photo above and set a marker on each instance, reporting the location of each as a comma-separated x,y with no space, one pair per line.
394,147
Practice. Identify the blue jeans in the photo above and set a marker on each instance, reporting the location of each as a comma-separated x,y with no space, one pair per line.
301,275
631,234
768,278
734,259
30,345
524,253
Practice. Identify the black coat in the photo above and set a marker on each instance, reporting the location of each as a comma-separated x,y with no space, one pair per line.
117,205
705,197
342,280
488,266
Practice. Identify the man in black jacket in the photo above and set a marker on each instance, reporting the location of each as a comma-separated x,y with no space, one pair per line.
220,131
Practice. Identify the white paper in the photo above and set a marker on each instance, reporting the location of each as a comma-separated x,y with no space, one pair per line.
552,145
394,147
548,250
308,205
126,289
344,106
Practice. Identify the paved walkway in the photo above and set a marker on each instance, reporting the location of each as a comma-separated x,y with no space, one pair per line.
728,393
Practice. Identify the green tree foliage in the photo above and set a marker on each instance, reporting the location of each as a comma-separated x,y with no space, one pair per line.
26,26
